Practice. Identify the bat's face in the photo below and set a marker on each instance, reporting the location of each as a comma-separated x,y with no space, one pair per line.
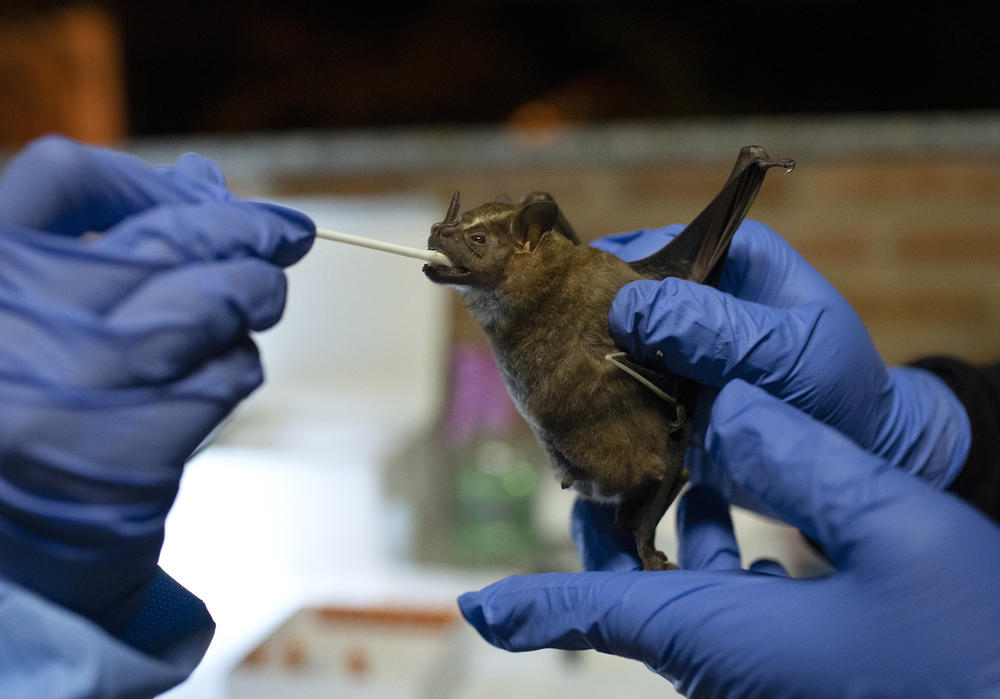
478,242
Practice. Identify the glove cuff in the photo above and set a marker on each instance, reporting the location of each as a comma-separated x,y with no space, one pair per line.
171,623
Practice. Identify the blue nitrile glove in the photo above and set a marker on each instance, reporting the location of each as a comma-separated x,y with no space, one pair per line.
119,353
911,610
777,323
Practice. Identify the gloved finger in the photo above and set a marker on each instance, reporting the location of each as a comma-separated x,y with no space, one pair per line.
664,619
192,406
767,566
707,335
812,476
703,471
97,274
172,235
635,245
180,318
296,248
84,508
159,332
707,473
199,167
705,531
161,422
600,543
60,186
569,611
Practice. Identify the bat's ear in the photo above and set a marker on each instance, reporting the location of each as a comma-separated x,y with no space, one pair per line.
453,209
532,221
562,225
536,196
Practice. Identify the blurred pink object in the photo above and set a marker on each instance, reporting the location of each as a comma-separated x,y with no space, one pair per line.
479,402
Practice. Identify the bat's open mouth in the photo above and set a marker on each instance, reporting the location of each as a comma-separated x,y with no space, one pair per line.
442,274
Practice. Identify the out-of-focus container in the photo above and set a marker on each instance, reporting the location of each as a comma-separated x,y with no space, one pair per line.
356,651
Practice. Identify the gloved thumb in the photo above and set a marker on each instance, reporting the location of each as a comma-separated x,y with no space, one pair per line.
699,332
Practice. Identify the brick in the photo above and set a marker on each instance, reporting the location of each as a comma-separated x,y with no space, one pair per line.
61,71
939,244
901,178
834,247
347,185
900,343
696,182
934,307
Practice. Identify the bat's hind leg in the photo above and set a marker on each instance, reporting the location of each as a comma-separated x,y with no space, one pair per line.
642,509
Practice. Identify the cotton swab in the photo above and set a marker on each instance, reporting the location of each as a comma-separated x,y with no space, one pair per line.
432,256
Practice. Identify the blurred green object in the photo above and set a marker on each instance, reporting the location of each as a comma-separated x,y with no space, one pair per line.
494,495
469,487
492,464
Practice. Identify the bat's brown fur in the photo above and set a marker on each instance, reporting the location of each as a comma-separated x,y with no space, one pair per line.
543,302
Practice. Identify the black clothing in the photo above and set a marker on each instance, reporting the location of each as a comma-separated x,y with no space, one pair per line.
978,388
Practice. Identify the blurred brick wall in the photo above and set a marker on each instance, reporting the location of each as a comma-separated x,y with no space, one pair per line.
912,242
61,71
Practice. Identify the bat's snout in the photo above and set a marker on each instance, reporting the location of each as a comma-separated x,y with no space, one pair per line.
442,274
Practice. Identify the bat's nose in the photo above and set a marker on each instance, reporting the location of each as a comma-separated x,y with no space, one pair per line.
440,230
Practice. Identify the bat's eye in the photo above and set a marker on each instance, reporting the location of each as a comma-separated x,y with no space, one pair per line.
478,238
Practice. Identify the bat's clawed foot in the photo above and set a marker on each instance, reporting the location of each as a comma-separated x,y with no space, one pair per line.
656,560
759,156
641,510
787,163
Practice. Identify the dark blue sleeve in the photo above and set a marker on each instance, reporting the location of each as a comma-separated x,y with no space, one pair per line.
49,651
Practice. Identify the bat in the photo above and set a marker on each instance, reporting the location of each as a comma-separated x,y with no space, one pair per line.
614,430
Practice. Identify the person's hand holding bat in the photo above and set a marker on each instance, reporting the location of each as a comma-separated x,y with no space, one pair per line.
910,611
775,322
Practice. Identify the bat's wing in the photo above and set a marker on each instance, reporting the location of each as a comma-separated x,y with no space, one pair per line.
562,225
699,251
664,386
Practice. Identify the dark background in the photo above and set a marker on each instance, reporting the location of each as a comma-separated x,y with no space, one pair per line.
235,66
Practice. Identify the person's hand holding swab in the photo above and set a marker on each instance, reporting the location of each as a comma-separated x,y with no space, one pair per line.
127,294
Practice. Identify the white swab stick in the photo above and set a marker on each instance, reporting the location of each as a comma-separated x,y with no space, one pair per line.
433,256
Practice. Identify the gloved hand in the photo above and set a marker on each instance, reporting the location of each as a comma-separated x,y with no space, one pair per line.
777,323
119,352
910,611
